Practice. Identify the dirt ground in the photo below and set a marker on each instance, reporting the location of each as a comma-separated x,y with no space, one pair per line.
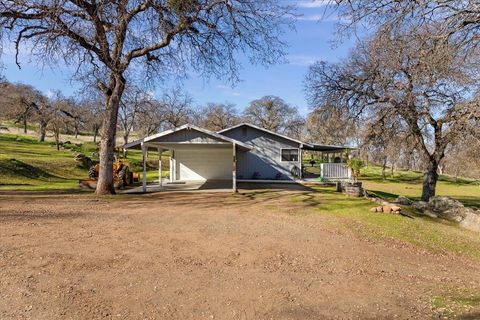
208,256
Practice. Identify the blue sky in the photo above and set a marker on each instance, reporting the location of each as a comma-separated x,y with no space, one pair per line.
311,41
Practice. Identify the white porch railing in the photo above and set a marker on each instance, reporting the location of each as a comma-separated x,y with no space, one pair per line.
335,171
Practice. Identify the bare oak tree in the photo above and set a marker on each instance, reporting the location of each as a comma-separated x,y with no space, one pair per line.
218,116
23,103
111,40
133,102
459,19
273,113
176,108
415,77
330,125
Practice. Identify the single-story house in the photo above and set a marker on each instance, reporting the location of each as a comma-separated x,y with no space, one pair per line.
244,152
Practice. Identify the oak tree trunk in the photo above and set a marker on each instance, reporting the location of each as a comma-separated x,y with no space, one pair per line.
56,131
107,143
384,168
95,133
430,179
42,131
25,124
125,141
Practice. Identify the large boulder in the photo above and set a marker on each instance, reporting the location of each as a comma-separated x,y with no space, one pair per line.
471,220
420,205
404,201
450,209
447,208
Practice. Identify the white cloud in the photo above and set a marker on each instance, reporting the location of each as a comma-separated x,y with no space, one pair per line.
311,17
302,60
314,3
228,90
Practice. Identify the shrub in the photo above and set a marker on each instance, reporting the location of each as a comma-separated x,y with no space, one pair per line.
355,165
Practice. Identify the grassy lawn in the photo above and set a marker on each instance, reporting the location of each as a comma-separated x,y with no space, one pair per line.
353,214
26,164
409,184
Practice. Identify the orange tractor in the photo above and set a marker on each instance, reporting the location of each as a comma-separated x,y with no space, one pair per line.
122,176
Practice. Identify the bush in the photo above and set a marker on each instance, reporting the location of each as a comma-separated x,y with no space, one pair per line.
355,165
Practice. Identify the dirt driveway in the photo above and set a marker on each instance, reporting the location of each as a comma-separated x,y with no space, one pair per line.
208,256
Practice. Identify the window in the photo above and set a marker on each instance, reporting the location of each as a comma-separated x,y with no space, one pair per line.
289,154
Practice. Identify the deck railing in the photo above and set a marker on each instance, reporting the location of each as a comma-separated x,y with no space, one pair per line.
335,171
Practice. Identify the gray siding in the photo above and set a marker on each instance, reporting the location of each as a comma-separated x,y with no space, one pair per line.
265,157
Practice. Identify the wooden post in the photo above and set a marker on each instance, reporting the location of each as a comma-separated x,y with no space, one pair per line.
171,165
234,169
300,160
144,177
321,169
160,151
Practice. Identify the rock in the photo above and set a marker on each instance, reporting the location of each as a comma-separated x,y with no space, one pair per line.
429,213
447,208
396,209
387,209
379,209
441,204
374,209
404,201
471,220
420,205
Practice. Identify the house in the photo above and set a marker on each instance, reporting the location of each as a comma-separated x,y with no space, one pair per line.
243,152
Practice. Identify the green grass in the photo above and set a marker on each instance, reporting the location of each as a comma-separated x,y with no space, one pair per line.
452,301
409,184
28,165
353,214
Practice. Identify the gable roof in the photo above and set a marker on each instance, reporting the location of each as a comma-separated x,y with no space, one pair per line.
265,130
185,127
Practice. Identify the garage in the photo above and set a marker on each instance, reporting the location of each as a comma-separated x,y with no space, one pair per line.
204,163
196,154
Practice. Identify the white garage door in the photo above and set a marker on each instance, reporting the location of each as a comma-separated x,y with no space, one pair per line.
204,163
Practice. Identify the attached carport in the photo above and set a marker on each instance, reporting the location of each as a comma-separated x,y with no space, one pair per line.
196,155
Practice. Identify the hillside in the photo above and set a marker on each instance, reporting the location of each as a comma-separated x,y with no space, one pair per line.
26,164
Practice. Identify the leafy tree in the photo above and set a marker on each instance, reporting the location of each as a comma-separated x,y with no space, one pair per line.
355,165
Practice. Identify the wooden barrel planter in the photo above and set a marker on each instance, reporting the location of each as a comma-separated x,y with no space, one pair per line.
353,189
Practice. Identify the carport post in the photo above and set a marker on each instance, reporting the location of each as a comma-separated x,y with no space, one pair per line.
160,151
234,169
144,177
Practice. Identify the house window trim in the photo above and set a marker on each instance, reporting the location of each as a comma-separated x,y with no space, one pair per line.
281,153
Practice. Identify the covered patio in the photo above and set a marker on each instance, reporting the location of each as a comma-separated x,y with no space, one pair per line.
329,162
199,159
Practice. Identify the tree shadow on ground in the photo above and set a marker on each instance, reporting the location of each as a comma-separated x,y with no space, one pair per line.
20,168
